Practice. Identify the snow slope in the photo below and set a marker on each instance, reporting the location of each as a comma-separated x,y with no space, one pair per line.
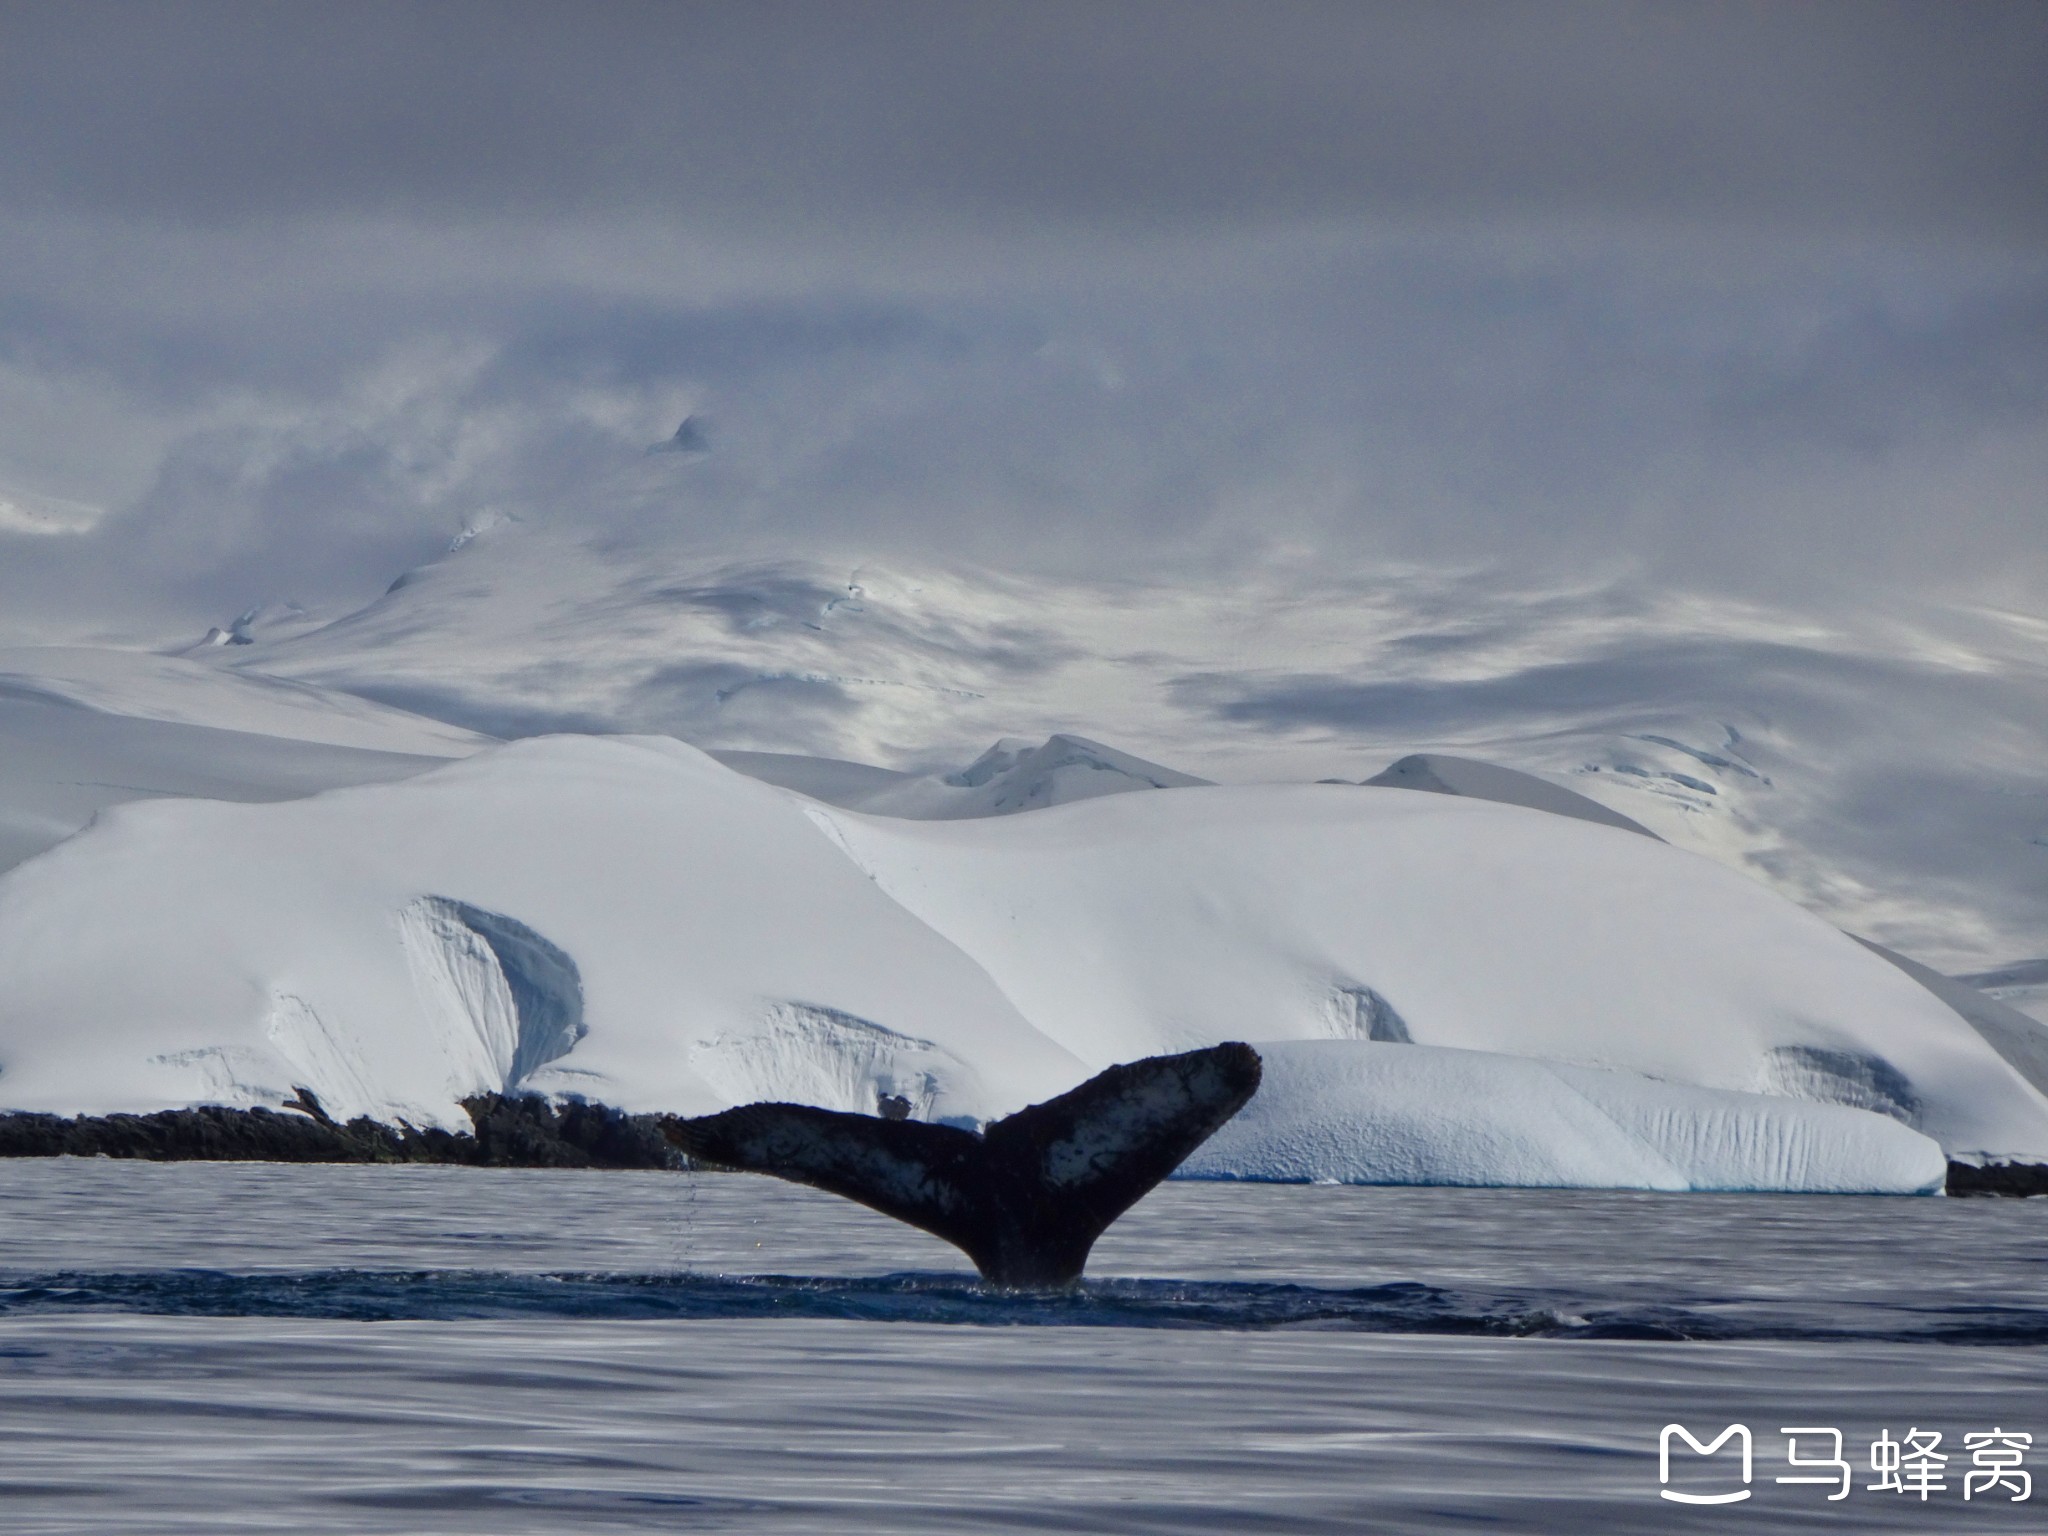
630,921
1014,776
831,779
176,691
81,730
1980,1001
622,918
1326,911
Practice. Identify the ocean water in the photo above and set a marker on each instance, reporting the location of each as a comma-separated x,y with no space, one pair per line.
202,1347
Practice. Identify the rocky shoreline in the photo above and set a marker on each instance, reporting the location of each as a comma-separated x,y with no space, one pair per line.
508,1132
2015,1179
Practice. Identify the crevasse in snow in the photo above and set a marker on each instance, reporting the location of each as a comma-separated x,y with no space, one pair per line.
797,1053
503,999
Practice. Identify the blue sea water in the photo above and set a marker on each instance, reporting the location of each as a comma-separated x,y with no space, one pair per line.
260,1347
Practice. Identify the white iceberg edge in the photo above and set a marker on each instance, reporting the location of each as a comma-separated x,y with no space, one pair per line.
1360,1112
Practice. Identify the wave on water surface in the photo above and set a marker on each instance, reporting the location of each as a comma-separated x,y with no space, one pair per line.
933,1298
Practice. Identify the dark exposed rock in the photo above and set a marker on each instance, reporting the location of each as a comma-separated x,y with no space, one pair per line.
530,1132
1998,1179
510,1132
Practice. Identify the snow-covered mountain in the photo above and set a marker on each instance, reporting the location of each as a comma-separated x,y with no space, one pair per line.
631,921
2022,985
81,730
1011,776
1438,774
138,686
1884,769
1016,775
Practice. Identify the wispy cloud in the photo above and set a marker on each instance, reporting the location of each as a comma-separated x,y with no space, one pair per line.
23,512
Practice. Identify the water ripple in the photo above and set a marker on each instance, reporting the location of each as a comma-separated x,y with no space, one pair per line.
1411,1308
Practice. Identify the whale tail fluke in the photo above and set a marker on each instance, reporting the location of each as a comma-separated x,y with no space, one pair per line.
1026,1198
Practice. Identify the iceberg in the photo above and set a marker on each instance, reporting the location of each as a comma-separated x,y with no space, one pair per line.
1354,1112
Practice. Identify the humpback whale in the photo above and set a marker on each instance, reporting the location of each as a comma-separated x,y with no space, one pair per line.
1026,1197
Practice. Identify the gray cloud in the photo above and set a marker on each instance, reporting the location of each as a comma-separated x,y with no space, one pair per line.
1773,431
1747,298
1876,379
1920,116
1739,680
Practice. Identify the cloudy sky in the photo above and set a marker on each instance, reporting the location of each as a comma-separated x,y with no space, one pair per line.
1750,298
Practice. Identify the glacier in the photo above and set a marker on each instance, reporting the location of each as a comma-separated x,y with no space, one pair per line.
1448,988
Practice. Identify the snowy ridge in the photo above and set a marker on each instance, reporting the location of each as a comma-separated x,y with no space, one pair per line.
83,730
173,690
832,780
2022,1041
2022,987
1439,774
1015,775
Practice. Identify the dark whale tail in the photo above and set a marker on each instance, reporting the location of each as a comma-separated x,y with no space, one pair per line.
1026,1198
